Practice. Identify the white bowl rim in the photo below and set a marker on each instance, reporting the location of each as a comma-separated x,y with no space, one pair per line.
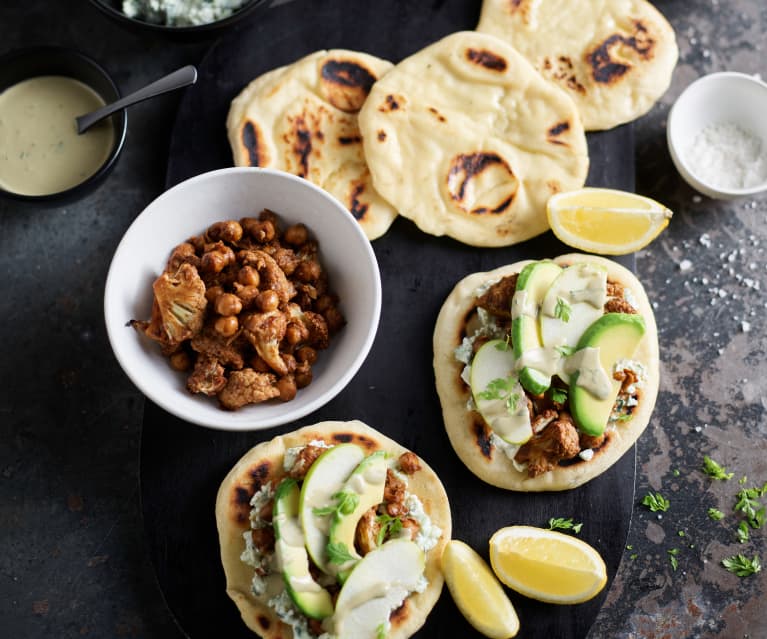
291,413
678,157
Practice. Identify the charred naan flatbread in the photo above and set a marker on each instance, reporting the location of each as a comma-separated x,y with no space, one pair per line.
302,118
263,465
614,57
470,436
466,139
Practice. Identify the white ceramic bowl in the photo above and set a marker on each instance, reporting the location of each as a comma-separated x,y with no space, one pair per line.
719,98
187,210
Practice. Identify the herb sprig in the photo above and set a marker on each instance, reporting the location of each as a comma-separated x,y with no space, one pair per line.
742,565
715,469
564,524
656,502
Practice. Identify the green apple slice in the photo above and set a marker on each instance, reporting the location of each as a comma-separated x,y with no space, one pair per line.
615,336
325,478
574,301
498,395
366,484
534,281
311,598
377,585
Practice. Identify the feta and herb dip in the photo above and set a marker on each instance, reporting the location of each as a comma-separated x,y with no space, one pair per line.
181,13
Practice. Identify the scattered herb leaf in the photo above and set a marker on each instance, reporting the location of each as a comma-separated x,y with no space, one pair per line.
346,503
672,553
681,533
633,556
564,524
715,514
676,472
558,395
504,345
564,350
381,630
715,470
742,532
562,310
656,502
748,503
389,526
338,553
742,565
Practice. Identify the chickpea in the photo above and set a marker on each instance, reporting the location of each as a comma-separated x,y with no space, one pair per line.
212,293
268,301
323,303
226,326
287,387
261,231
198,242
296,235
296,333
259,364
248,276
309,271
213,262
180,361
334,319
306,354
228,304
303,377
247,294
290,361
229,231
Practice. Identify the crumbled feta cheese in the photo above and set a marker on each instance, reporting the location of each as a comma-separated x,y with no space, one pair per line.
428,534
587,454
286,610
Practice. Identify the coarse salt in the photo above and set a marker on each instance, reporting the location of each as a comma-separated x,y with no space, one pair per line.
725,155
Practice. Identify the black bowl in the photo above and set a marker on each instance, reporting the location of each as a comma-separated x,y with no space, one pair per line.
113,9
23,64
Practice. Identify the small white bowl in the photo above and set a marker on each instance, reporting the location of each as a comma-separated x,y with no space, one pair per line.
187,210
719,98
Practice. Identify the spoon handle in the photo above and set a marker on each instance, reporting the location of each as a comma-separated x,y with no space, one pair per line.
178,79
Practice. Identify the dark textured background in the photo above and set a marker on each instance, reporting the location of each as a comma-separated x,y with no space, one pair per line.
74,560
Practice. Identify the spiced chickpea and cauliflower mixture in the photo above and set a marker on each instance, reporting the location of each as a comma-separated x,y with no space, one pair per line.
244,309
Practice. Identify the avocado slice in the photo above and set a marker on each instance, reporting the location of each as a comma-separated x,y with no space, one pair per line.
573,302
616,336
498,395
377,584
311,598
325,478
366,483
533,282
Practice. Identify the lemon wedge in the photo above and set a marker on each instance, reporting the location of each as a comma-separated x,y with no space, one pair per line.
547,565
606,221
477,593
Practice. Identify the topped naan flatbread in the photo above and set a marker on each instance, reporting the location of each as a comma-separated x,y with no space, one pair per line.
466,139
302,118
614,57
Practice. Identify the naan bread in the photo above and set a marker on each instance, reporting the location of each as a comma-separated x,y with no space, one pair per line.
264,463
467,140
302,118
614,57
467,431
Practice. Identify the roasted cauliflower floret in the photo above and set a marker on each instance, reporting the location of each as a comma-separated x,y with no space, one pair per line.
247,387
265,332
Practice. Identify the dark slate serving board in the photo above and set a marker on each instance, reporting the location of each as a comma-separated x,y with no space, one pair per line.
182,465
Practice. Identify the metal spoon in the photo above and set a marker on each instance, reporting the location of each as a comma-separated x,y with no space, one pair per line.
176,80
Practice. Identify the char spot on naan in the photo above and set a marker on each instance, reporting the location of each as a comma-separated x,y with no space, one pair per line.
399,615
260,474
251,140
355,438
264,622
391,103
480,183
437,114
482,436
346,84
553,186
381,136
606,67
562,70
346,140
240,504
487,59
356,207
299,141
557,130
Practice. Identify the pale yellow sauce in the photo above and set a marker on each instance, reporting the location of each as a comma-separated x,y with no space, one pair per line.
40,150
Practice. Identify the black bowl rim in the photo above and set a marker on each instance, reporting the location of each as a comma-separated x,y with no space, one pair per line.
120,135
238,15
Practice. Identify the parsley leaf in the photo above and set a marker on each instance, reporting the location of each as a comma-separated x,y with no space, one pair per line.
672,553
501,389
564,524
715,470
381,630
558,395
656,502
346,503
564,350
503,345
338,553
390,526
715,514
748,503
562,310
742,565
742,532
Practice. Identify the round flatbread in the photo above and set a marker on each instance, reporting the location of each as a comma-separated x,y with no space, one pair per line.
468,433
614,57
467,140
302,118
264,464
